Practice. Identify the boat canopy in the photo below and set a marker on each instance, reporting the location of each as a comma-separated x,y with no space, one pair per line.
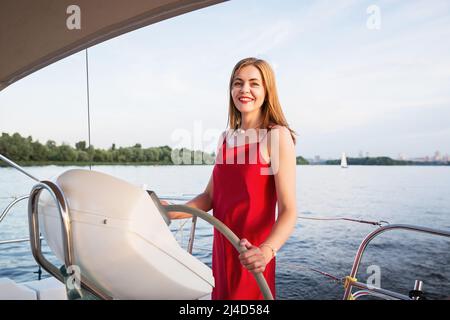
36,33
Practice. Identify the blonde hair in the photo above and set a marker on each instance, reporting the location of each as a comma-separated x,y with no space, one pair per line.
271,107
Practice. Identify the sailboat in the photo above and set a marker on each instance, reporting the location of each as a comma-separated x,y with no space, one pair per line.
111,236
344,161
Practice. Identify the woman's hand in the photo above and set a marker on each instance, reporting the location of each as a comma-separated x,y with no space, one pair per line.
254,259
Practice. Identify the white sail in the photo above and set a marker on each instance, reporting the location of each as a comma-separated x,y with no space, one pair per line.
343,160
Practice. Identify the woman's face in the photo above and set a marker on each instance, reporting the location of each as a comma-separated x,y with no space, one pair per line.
247,89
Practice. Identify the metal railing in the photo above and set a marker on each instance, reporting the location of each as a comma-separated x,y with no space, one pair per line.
17,240
360,252
66,231
5,213
10,205
190,245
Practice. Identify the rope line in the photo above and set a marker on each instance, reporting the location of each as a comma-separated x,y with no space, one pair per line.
375,223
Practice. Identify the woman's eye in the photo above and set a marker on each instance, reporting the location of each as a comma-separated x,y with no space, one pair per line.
255,84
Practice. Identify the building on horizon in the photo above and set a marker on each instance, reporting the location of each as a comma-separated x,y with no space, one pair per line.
437,156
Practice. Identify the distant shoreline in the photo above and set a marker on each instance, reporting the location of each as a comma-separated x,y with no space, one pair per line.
87,164
386,161
27,153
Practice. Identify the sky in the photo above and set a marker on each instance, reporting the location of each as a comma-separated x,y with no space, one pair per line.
353,76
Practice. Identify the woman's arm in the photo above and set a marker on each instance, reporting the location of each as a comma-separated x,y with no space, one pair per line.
283,163
203,201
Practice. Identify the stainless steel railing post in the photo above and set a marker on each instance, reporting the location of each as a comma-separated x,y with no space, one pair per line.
61,203
375,233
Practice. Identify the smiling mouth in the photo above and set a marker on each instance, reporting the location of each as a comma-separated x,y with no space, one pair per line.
245,100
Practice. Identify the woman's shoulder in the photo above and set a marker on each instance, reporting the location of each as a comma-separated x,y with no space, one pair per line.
280,128
281,133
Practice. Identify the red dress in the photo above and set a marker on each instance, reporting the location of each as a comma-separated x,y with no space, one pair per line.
245,200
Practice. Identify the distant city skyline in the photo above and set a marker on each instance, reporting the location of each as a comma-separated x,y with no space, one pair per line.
350,79
437,156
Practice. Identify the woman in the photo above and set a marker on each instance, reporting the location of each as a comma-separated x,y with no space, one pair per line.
244,191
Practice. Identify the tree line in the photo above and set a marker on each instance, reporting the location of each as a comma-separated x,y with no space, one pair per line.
301,161
27,151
